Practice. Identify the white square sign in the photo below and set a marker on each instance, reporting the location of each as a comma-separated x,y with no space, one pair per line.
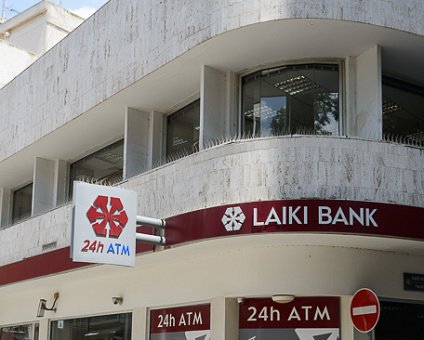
103,224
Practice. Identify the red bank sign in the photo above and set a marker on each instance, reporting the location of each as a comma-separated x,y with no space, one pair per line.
188,322
302,312
303,318
324,216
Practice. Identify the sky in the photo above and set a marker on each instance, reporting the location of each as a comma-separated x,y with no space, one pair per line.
84,8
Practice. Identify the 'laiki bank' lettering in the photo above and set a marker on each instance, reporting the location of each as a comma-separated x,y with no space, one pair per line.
300,215
288,215
363,216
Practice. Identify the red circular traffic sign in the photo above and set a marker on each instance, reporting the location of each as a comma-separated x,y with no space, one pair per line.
364,310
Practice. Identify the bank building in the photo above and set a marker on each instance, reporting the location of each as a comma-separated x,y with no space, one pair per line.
269,153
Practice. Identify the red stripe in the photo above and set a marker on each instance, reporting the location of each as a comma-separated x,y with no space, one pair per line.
53,262
45,264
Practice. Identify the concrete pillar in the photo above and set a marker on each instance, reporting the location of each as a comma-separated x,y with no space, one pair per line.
139,326
61,182
369,116
224,318
50,184
218,105
43,186
231,104
346,325
43,325
156,138
5,207
349,123
135,142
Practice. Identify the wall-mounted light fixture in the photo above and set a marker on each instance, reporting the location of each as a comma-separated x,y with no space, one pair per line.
282,298
42,305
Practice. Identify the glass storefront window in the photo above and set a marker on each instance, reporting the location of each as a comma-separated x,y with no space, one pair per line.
21,332
403,110
22,203
103,167
291,99
400,320
106,327
182,135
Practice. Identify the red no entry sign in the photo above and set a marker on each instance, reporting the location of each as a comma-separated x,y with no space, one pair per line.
364,310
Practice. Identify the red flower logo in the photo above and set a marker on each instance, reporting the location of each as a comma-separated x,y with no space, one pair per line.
107,222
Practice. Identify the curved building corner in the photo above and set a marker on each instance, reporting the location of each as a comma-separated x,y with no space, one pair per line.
280,142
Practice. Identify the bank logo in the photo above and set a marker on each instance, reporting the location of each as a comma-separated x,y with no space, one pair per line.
107,216
233,219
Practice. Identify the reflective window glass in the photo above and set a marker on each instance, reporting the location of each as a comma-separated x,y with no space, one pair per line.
183,131
403,110
291,99
400,320
22,201
106,327
20,332
103,167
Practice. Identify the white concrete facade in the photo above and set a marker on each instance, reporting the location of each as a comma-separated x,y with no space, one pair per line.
125,70
28,35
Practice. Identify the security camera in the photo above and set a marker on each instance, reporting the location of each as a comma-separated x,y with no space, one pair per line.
117,300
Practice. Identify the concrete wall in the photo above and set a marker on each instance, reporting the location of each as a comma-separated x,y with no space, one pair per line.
12,61
282,168
125,41
30,36
265,169
213,271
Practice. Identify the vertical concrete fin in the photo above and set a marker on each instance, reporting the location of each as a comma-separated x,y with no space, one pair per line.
5,207
369,116
212,105
43,197
136,142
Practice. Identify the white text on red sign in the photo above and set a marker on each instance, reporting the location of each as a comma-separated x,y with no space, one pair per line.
185,319
289,215
304,313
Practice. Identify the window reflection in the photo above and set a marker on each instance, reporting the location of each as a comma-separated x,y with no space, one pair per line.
20,332
106,327
291,99
183,131
400,320
22,203
403,110
103,167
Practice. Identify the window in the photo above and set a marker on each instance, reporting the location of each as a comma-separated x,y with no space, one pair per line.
403,110
291,99
104,166
400,320
21,332
183,130
22,202
104,327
